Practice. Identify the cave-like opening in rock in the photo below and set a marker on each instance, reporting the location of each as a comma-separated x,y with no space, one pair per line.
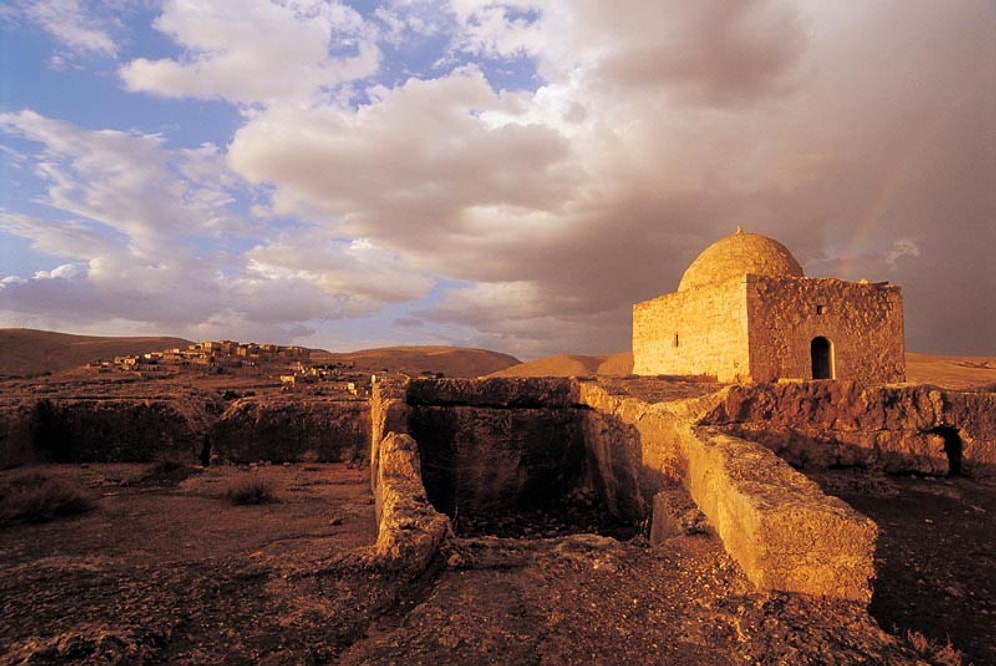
953,447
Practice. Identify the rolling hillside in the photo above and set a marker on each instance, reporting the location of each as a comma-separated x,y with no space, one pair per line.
25,351
414,361
28,351
948,371
572,365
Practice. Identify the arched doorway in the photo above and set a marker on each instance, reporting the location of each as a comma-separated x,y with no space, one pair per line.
821,353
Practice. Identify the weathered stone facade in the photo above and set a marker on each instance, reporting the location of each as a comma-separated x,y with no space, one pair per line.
744,311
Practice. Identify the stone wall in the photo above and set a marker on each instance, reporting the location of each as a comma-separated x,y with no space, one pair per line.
863,322
478,461
785,533
186,426
497,447
695,332
500,392
409,530
778,525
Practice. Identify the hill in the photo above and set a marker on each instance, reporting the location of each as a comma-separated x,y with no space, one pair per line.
948,371
572,365
414,361
26,351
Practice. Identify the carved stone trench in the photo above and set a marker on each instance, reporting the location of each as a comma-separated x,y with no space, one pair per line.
518,471
545,457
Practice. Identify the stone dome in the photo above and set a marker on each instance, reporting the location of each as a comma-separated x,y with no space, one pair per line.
740,254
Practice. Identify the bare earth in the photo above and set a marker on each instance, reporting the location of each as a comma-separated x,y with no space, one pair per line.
936,555
176,574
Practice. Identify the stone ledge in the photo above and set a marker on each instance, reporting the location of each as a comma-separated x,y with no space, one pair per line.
500,392
409,530
778,525
823,424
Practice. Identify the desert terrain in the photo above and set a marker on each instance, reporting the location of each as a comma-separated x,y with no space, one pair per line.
165,562
956,372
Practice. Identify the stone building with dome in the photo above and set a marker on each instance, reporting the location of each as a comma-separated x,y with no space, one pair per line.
745,311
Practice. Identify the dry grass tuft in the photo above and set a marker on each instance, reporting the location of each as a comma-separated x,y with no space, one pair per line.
165,466
253,489
943,655
165,473
35,497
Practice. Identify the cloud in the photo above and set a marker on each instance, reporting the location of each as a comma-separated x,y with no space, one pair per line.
359,276
660,128
70,238
713,52
502,30
74,23
153,235
409,168
904,247
387,165
120,186
256,51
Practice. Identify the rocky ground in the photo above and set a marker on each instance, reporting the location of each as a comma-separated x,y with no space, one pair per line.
936,555
165,569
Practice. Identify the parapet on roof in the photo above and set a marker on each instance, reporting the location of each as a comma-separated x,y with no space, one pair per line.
740,254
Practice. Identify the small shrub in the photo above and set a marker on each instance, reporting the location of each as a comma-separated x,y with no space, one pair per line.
37,498
165,473
944,655
164,467
252,490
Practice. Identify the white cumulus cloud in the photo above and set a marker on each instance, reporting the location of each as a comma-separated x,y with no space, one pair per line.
75,23
256,51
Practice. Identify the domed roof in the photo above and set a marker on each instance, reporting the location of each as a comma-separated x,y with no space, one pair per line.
739,254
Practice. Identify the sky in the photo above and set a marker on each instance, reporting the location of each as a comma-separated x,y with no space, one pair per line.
504,175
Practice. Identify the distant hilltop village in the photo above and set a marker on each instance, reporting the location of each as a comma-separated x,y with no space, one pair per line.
291,363
219,353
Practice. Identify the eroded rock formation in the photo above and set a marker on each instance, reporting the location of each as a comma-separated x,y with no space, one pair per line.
293,428
187,426
103,430
898,428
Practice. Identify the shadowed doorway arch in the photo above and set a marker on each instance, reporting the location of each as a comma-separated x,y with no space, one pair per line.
821,353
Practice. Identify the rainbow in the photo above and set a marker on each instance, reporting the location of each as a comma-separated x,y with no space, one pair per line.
890,185
876,209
